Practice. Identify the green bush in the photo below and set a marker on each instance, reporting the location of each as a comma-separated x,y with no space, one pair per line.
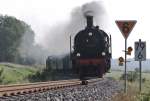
1,71
132,76
146,98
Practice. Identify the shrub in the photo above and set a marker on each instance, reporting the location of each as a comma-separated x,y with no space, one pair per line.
132,76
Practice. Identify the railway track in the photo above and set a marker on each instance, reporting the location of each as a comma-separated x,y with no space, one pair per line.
20,89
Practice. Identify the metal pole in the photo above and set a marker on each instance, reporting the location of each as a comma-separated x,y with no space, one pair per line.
140,87
70,47
125,72
70,62
110,46
140,64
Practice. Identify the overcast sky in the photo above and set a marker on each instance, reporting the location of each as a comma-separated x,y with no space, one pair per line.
43,14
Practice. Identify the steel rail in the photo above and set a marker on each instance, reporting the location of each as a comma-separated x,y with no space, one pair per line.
19,89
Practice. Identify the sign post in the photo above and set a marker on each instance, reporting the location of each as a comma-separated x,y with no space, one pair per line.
125,27
140,55
125,65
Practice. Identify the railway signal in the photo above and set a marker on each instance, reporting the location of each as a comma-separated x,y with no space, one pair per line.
140,55
130,49
121,61
125,26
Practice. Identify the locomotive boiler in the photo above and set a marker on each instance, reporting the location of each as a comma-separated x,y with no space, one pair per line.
91,56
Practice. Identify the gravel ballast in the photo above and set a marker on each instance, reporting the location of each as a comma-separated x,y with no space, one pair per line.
102,90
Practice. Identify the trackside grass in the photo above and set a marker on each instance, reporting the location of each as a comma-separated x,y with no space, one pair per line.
14,73
133,88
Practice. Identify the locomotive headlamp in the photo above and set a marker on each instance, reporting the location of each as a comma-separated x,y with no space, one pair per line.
103,53
90,34
105,38
78,54
87,40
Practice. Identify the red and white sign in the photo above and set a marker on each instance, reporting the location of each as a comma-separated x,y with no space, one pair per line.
125,26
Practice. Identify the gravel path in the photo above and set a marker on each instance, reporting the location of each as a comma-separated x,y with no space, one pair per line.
103,90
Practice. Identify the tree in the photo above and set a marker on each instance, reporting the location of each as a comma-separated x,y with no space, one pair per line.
11,32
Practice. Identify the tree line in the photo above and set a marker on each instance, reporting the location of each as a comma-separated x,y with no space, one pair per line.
12,31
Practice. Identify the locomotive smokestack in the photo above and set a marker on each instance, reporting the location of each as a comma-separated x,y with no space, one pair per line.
89,19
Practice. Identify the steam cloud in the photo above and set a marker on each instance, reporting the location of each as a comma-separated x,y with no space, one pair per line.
57,40
58,43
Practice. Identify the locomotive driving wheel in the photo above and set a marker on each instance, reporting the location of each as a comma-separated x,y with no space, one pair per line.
84,82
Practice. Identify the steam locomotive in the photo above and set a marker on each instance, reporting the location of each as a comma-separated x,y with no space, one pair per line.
91,56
